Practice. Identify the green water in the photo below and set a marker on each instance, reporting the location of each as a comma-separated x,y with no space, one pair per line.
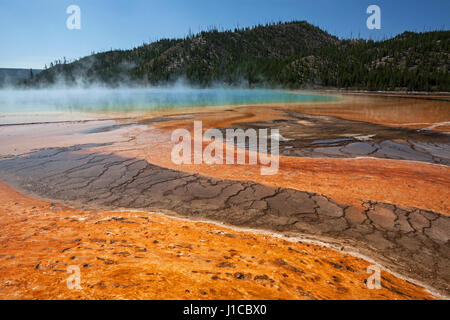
102,100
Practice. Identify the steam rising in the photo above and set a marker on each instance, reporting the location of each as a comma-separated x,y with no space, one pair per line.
101,99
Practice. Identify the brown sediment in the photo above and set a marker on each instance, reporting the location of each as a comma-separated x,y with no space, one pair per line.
138,255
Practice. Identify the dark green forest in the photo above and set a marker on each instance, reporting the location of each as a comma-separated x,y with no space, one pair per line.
288,55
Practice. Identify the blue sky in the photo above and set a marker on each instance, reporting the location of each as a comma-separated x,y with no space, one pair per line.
33,33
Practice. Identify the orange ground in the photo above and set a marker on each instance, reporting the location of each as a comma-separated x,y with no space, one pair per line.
140,255
135,255
348,181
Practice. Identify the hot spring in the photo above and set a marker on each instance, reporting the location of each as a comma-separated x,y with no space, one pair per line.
23,103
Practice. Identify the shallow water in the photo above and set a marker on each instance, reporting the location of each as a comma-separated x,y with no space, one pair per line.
102,100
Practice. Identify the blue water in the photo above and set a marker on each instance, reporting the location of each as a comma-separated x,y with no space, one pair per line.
110,100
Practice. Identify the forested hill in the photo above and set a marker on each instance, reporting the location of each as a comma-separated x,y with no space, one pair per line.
290,55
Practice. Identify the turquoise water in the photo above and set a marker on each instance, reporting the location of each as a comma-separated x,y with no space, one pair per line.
110,100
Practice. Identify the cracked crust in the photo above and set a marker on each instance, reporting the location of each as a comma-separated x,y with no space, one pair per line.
411,241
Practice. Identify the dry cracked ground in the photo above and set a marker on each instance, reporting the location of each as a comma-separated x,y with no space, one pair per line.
409,240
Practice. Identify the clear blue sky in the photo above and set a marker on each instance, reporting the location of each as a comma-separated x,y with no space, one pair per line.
33,32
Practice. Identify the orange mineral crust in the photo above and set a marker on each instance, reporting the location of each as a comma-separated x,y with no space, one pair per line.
138,255
348,181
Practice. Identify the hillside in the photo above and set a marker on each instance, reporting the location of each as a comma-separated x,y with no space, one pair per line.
12,76
291,55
